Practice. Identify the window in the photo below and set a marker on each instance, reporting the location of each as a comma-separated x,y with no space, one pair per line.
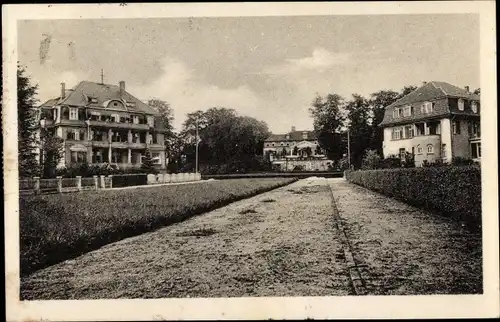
156,158
402,153
75,134
427,107
419,149
443,150
430,149
397,133
73,113
397,113
122,119
78,156
473,106
407,111
408,131
92,100
476,150
135,119
461,104
272,144
151,121
456,127
476,129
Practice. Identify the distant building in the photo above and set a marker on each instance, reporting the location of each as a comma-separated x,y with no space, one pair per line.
295,150
437,121
103,123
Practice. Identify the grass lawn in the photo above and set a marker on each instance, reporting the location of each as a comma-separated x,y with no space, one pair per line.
54,228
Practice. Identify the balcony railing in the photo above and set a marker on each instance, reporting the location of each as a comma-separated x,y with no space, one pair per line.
119,125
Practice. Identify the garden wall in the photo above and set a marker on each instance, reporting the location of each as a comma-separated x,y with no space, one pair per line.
453,191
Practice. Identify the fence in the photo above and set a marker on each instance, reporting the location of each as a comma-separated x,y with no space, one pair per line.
37,185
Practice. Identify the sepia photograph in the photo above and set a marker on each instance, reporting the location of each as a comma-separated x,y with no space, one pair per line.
250,161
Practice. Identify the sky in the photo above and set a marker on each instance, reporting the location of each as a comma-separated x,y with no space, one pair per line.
270,68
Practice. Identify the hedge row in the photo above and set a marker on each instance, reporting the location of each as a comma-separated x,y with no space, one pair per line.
451,191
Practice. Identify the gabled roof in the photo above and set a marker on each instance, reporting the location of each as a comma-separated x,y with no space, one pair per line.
429,92
80,94
294,136
433,90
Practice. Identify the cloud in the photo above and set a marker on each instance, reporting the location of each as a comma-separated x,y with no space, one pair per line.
179,86
319,61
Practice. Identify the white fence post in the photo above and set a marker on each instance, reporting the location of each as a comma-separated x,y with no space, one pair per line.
37,185
110,181
96,182
103,183
79,183
59,184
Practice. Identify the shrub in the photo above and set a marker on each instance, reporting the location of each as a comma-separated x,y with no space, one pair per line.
461,161
451,191
371,160
125,180
390,162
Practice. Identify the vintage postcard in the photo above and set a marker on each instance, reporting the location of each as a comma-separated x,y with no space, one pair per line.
293,160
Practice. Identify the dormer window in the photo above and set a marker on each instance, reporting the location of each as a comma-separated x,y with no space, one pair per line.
473,106
92,100
304,135
407,111
427,107
130,104
287,136
460,104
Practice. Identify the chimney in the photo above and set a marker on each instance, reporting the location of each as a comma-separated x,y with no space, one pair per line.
467,89
122,88
63,90
293,128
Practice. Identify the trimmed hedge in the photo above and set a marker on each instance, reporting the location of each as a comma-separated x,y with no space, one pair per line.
451,191
125,180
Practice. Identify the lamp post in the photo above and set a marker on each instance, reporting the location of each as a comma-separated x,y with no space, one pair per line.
197,143
348,149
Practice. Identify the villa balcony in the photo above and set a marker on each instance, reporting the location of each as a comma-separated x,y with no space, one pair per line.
129,126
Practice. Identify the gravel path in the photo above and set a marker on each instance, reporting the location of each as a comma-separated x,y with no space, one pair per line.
280,243
403,250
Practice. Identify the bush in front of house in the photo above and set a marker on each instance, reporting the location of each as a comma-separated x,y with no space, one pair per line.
451,191
126,180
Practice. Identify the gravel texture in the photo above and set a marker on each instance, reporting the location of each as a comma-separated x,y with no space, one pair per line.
280,243
402,250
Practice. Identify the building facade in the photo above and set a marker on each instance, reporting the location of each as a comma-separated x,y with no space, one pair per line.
103,123
294,151
437,121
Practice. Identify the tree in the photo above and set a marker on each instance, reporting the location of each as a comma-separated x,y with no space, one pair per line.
27,118
147,162
359,128
166,117
378,102
371,160
228,140
328,121
477,91
51,152
407,90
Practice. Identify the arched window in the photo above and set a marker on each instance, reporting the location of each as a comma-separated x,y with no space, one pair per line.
430,148
419,149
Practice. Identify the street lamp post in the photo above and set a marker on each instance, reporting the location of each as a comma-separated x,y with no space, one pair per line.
197,142
348,149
